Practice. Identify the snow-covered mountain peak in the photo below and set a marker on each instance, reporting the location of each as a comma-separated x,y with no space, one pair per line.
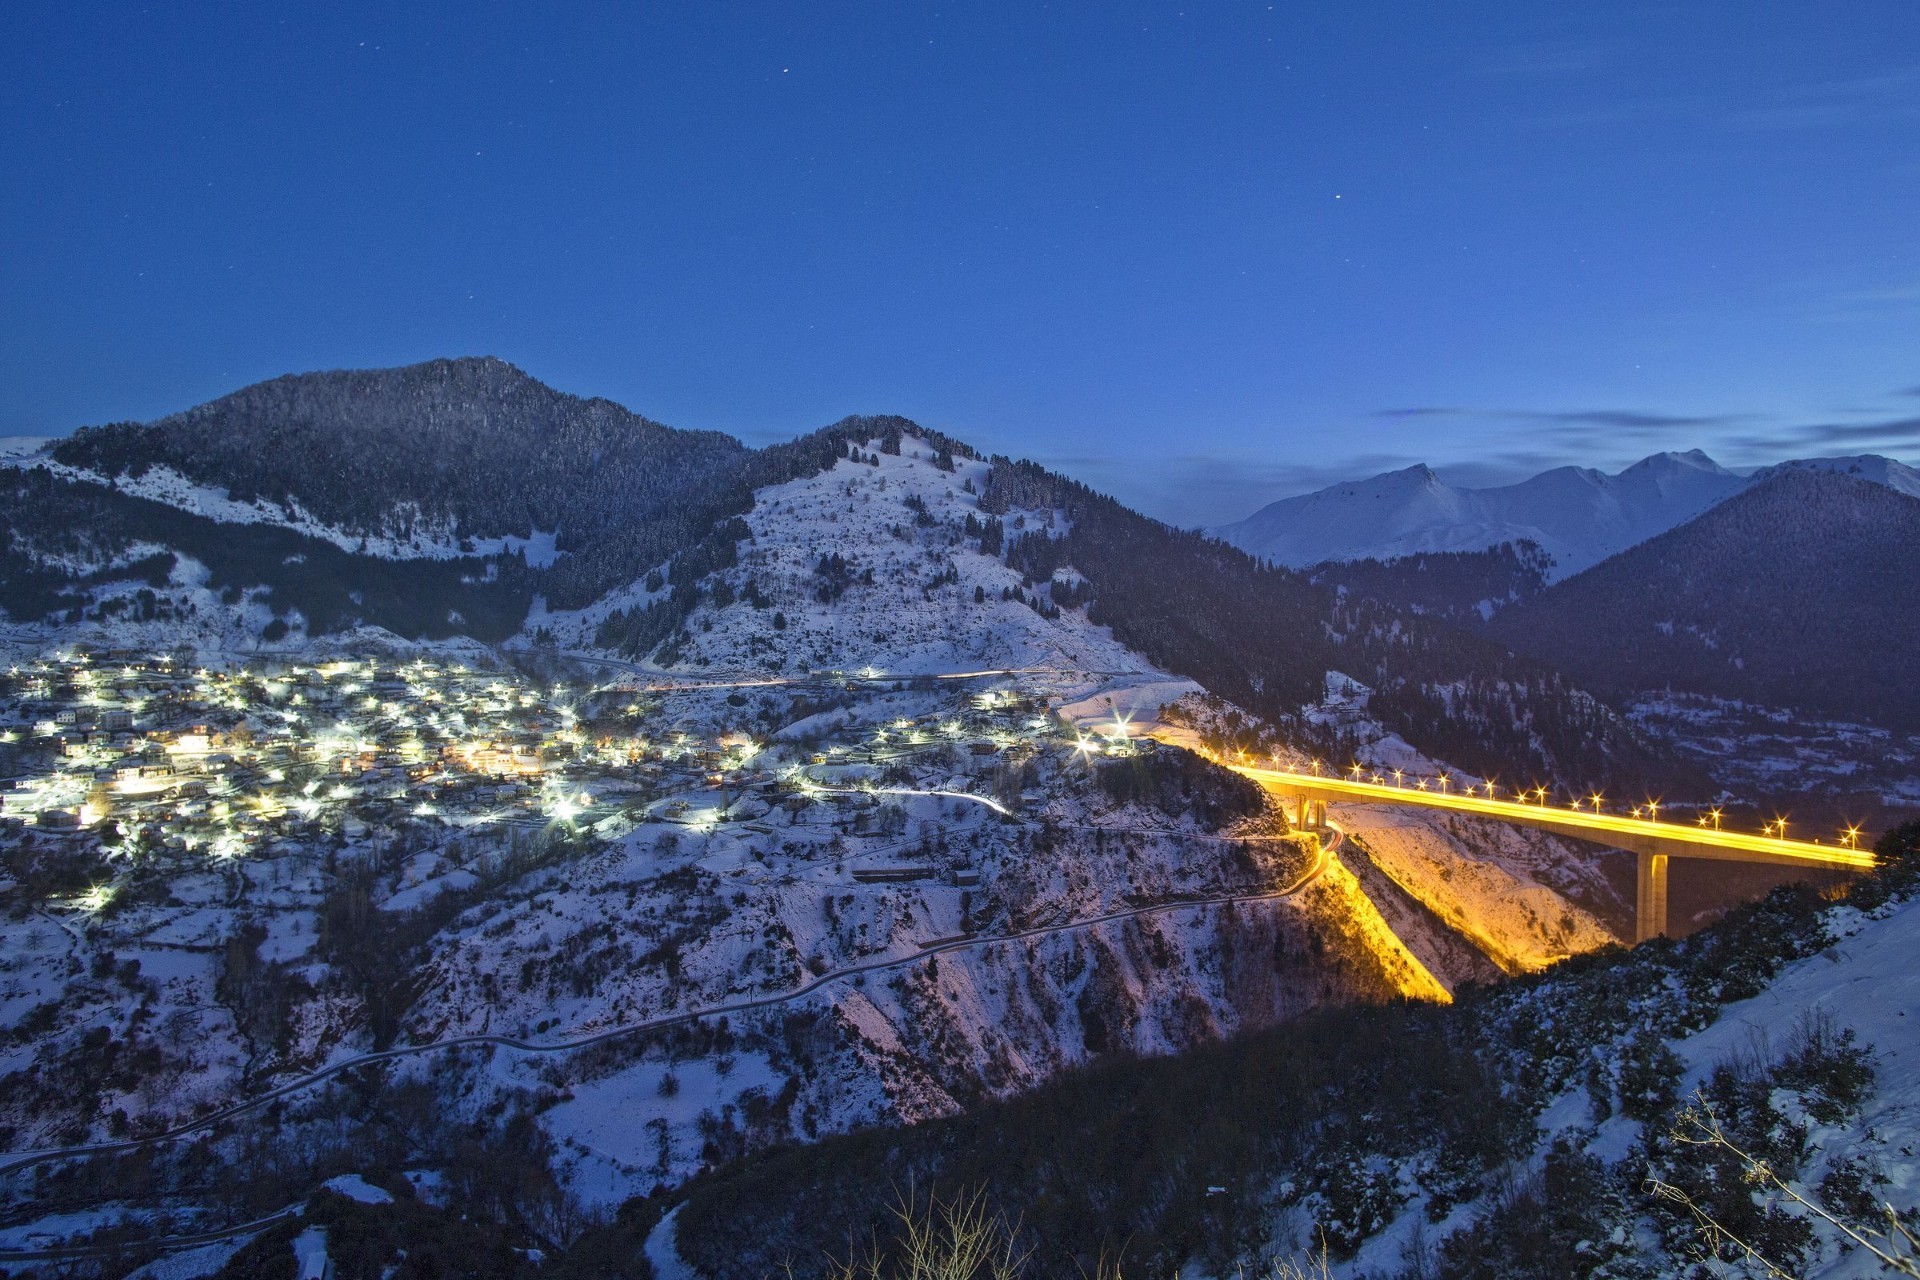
1578,515
1671,461
1897,476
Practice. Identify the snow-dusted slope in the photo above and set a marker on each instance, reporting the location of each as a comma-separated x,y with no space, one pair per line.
934,878
1521,897
1848,1154
1580,516
161,483
919,595
1897,476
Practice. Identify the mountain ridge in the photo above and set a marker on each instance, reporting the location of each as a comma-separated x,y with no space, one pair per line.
1791,593
1578,515
649,560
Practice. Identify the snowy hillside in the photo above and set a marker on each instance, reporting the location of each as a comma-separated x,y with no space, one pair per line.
1524,899
906,589
1577,515
1732,1104
1897,476
1814,1075
424,539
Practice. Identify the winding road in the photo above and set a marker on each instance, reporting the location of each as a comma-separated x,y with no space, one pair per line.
57,1154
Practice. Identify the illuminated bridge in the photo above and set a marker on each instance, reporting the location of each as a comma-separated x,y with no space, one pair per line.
1655,842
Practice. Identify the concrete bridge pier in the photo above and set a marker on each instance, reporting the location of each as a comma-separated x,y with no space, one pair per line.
1309,813
1650,903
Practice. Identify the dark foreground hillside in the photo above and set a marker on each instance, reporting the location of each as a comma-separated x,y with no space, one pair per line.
1347,1116
1800,592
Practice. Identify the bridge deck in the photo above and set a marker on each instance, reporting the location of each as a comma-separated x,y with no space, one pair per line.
1637,834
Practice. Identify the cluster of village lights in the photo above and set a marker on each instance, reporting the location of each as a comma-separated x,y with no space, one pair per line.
1115,738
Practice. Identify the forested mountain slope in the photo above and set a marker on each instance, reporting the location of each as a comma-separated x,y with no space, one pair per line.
87,555
1265,637
1798,593
447,451
1458,586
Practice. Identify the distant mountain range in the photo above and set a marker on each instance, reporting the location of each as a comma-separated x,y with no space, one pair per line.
1577,515
1796,592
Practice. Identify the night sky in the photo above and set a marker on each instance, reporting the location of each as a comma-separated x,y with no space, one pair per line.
1201,257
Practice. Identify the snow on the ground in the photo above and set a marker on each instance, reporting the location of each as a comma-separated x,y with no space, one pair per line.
689,907
660,1251
355,1187
1484,879
1444,953
899,624
190,1264
425,541
1753,749
1866,982
642,1124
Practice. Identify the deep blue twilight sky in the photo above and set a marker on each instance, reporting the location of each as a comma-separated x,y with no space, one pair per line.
1199,255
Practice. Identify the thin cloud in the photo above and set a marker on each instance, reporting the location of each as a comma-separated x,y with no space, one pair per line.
1889,96
1634,420
1889,433
1631,421
1895,295
1902,430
